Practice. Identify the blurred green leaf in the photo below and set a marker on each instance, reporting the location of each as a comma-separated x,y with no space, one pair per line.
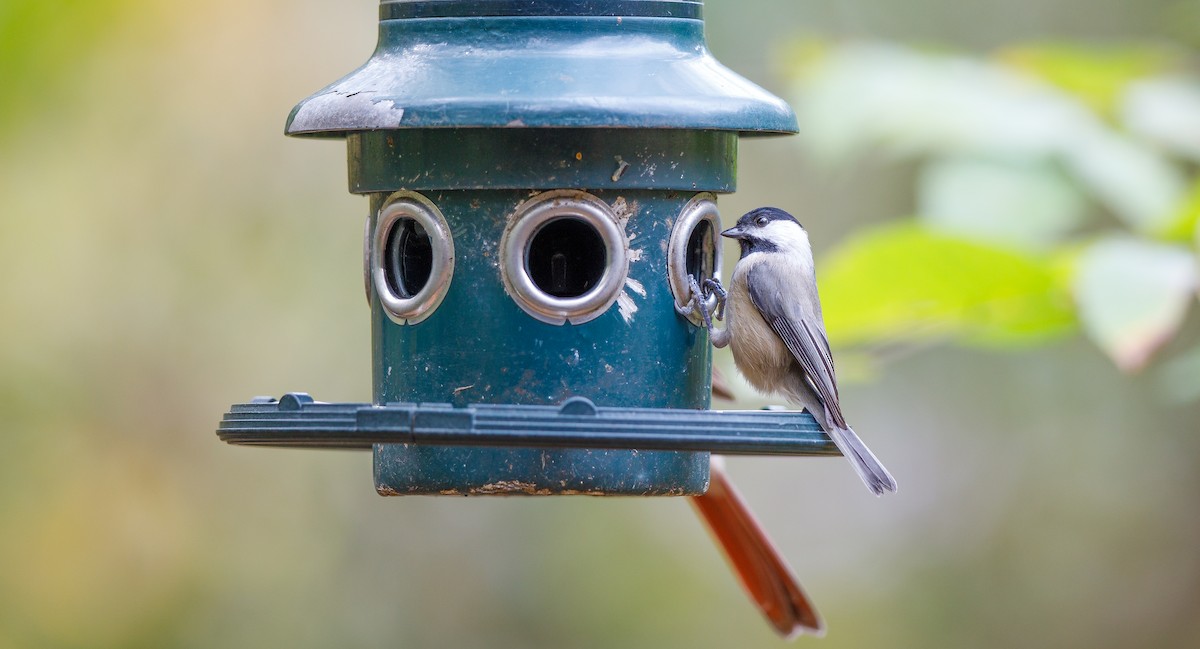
1133,295
1185,219
1196,231
1025,204
1141,186
1096,75
902,282
1166,111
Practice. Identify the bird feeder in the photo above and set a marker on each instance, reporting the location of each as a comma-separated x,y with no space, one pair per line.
542,178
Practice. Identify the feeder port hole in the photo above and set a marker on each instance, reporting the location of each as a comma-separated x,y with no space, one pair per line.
566,257
410,257
694,251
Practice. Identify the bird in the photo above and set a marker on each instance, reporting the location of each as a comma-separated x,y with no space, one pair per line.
762,570
774,326
776,331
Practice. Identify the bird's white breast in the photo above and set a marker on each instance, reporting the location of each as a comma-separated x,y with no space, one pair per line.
758,351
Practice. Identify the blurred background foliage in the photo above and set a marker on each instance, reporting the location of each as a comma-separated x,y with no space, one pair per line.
1047,177
973,173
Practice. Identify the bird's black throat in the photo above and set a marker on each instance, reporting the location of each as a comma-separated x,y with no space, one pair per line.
750,245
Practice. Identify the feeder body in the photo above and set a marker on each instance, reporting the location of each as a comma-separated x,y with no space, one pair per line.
479,346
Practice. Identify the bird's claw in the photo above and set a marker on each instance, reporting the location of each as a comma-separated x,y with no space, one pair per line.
715,287
687,309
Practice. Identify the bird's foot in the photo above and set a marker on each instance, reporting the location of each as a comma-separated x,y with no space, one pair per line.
699,299
699,303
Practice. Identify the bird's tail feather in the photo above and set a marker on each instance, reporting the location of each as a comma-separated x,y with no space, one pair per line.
763,571
868,467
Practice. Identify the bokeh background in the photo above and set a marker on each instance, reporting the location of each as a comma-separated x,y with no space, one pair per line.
165,252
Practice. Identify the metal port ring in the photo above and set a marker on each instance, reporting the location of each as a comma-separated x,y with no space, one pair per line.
398,207
536,213
702,208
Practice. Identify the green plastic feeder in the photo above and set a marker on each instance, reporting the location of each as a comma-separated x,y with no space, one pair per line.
542,178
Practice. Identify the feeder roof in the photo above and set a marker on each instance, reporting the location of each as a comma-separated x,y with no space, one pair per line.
538,71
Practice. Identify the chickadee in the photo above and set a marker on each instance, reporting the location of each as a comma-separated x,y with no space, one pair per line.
774,324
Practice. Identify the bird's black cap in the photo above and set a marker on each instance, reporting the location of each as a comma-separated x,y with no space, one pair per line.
772,214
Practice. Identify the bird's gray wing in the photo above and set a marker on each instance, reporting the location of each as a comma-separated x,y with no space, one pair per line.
799,325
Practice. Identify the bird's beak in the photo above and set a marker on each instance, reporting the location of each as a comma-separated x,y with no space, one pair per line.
733,233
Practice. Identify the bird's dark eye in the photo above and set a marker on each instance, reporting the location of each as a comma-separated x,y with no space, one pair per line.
762,221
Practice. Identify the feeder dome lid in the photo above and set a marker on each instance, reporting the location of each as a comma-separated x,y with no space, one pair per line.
639,64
